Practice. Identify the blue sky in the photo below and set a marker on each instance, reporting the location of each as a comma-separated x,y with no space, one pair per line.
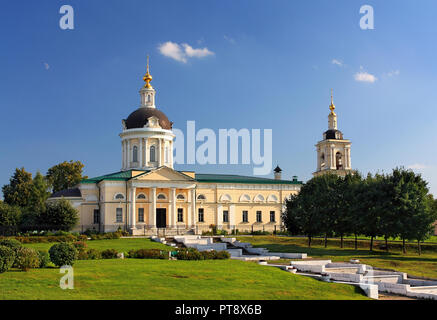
272,64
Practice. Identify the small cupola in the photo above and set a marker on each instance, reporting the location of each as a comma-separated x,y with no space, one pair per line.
278,173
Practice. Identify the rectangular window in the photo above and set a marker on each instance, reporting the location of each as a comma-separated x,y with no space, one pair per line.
245,216
119,215
201,215
259,216
96,216
225,216
140,214
180,215
272,216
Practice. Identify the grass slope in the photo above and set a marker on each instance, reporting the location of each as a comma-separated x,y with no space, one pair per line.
121,245
423,266
168,279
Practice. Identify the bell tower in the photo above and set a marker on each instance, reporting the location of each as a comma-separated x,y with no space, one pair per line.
333,152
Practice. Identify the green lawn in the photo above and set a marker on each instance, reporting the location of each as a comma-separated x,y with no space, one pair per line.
423,266
121,245
169,279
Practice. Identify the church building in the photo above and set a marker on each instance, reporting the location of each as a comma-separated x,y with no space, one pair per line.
148,196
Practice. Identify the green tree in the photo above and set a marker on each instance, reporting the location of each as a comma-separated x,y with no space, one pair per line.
19,189
9,218
59,215
411,205
65,175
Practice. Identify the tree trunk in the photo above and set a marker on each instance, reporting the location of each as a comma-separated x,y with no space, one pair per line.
341,241
404,250
309,241
326,240
356,241
371,243
386,244
418,247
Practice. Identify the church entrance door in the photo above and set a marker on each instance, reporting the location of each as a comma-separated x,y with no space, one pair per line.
161,218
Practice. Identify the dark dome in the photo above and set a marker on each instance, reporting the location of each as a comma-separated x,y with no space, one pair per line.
138,118
333,134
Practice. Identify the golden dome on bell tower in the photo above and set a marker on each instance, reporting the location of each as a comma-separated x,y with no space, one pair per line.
147,77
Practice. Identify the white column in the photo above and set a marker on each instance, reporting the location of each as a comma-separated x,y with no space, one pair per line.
172,213
159,153
128,154
146,153
193,206
153,205
141,153
133,215
219,215
232,215
189,213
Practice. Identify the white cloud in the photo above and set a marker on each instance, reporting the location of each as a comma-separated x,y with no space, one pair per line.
417,166
394,73
364,76
337,62
183,51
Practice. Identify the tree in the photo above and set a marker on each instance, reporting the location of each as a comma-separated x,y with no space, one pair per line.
19,189
39,193
65,175
59,215
411,205
9,218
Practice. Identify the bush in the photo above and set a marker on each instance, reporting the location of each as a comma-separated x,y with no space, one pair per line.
63,254
189,254
80,245
148,254
12,244
109,254
222,255
89,254
44,258
27,258
7,257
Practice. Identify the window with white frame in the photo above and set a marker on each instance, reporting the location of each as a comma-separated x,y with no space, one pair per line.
180,197
161,196
180,215
259,216
135,154
225,216
140,214
245,216
141,196
119,196
201,215
152,154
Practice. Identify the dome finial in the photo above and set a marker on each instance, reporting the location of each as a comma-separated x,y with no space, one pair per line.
148,77
332,105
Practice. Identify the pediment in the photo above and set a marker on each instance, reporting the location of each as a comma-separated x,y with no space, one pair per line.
164,174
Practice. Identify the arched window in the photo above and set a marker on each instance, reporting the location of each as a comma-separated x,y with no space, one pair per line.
152,154
244,198
259,198
180,197
322,160
201,197
119,196
225,198
272,198
141,196
135,154
161,196
149,98
338,161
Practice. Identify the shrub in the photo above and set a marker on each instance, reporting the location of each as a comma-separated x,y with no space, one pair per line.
27,258
222,255
89,254
80,245
12,244
189,254
63,254
44,258
109,254
148,254
7,257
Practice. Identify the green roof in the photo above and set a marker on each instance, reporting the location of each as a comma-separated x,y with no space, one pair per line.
117,176
200,177
230,178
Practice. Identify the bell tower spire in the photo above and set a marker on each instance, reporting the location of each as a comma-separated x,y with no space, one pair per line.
332,118
147,92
